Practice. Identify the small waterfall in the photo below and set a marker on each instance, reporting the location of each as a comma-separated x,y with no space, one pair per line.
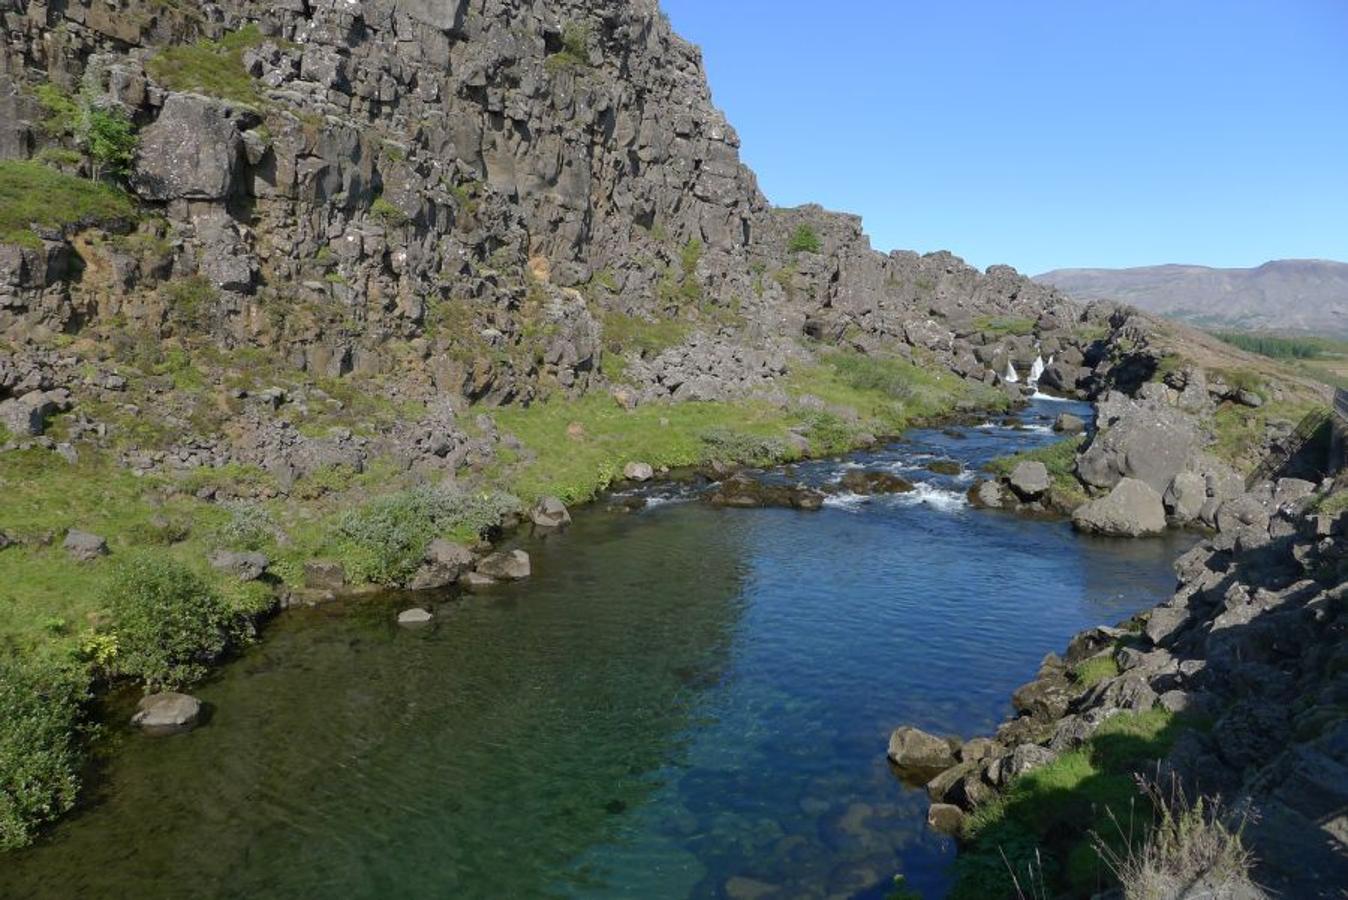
1011,377
1037,369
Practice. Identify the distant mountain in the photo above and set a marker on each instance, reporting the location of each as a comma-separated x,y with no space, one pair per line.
1308,295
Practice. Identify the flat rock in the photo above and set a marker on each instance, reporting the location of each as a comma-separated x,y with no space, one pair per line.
167,713
1029,479
913,748
638,471
84,546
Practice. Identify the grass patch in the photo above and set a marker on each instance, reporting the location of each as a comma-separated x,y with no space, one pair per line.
803,240
1059,458
574,52
33,194
1005,325
1044,821
214,68
1332,504
1090,672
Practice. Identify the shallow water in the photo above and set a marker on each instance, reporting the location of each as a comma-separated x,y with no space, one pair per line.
679,697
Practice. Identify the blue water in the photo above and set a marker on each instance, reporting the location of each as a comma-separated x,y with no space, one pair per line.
682,702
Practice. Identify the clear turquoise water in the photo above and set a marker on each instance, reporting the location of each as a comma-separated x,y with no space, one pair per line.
680,697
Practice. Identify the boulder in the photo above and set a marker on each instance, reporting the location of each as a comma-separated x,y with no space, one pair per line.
83,546
167,713
1043,698
743,492
415,618
550,513
1026,758
913,748
1144,442
243,566
508,565
1029,479
1132,509
638,471
945,818
1066,423
193,151
1185,497
444,563
476,581
324,574
986,495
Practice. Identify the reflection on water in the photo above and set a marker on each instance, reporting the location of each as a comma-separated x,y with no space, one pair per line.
681,701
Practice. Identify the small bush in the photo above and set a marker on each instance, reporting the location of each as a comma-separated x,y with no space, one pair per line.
1090,672
383,542
804,240
386,212
249,527
190,301
170,623
41,719
728,445
575,52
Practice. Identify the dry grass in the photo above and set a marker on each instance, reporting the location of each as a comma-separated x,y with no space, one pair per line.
1191,845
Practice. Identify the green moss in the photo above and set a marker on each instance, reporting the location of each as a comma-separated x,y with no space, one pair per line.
1329,504
214,68
33,194
1045,820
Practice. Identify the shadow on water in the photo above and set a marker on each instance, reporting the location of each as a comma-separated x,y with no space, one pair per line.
682,702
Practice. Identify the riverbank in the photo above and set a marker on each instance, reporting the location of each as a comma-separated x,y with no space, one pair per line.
59,614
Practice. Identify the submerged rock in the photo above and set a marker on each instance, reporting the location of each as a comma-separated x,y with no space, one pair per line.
1132,509
865,481
415,617
742,492
167,713
476,581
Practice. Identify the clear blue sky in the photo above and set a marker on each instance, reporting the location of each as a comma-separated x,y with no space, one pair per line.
1046,133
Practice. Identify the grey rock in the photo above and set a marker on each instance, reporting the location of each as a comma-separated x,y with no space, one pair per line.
638,471
1185,497
913,748
1066,423
445,562
324,574
167,713
1029,480
476,581
247,566
512,565
945,818
1132,509
192,151
986,494
550,513
415,618
83,546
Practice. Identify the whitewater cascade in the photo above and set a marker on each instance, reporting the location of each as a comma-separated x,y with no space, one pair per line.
1037,369
1010,377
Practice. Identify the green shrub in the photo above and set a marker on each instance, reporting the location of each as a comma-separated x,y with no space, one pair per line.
41,720
385,211
383,542
170,623
190,301
575,51
249,527
33,194
100,129
804,240
729,445
1277,347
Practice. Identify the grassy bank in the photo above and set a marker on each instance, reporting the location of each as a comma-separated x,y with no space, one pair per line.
1046,826
1060,460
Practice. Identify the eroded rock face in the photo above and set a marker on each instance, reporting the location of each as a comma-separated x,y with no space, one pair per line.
1132,509
192,151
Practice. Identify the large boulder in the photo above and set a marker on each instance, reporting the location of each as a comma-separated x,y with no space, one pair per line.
638,471
193,151
1132,509
1145,442
246,566
550,513
1185,497
1066,423
510,565
1029,479
913,748
444,562
167,713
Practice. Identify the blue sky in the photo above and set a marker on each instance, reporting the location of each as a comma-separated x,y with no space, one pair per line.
1047,133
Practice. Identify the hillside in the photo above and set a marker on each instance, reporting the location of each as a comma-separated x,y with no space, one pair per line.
1295,295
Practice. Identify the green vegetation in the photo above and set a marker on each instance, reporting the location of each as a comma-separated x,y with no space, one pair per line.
214,68
169,622
574,53
41,725
1045,820
190,301
383,541
1090,672
625,334
1005,325
102,132
1059,458
386,212
1332,504
1276,347
33,194
803,240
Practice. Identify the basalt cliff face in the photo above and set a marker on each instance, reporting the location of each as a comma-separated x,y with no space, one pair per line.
456,198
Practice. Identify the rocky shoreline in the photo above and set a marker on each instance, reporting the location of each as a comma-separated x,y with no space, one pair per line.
1250,651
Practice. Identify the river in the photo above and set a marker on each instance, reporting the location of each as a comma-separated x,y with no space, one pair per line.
683,701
